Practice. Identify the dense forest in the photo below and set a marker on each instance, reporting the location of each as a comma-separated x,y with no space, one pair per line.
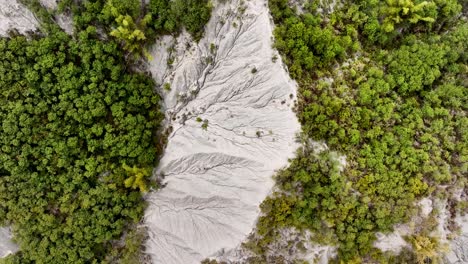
384,84
80,129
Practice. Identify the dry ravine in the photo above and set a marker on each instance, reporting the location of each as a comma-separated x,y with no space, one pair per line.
230,108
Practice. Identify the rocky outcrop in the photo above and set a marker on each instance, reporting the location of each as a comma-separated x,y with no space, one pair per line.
15,16
7,246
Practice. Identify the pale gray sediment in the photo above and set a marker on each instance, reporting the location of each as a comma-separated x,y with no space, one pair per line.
215,178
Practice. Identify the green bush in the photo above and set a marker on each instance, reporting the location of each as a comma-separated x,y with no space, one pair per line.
170,16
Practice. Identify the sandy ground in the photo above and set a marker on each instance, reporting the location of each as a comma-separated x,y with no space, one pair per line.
216,178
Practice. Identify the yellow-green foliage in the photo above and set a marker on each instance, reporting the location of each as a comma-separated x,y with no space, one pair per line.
398,11
129,32
426,248
136,178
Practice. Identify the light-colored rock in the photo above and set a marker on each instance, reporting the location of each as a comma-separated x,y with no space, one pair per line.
216,178
426,206
443,216
299,5
393,242
65,22
458,253
14,15
49,4
7,247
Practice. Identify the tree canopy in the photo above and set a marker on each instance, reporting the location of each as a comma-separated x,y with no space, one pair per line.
383,83
73,116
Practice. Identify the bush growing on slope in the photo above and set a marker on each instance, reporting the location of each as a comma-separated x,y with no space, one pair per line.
170,16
